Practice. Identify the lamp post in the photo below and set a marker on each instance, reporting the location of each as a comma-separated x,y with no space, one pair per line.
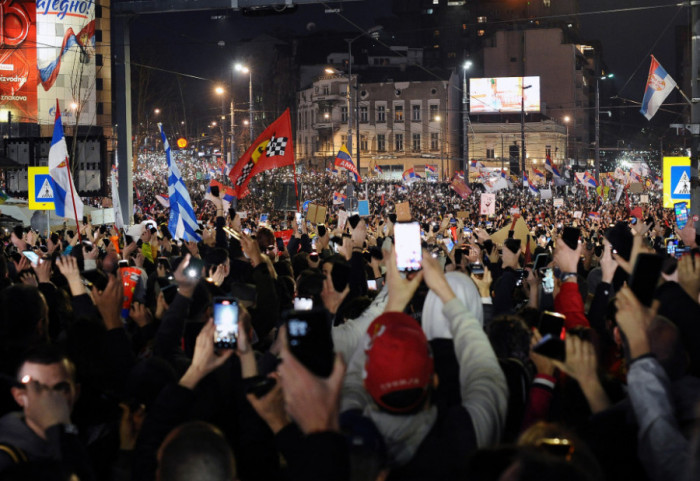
371,32
522,127
465,120
567,119
220,92
245,69
597,122
438,119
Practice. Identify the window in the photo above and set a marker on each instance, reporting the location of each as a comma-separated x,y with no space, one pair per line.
415,113
363,143
326,90
99,83
433,112
344,114
100,108
480,19
98,35
416,142
381,143
364,114
98,60
490,154
434,141
398,142
381,113
398,113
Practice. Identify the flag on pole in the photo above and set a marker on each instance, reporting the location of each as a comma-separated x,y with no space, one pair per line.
163,200
659,86
377,170
344,160
66,199
589,180
430,169
538,173
531,186
183,222
272,149
408,175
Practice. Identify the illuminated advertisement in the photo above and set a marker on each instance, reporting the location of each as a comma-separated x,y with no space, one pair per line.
504,94
65,60
47,52
18,73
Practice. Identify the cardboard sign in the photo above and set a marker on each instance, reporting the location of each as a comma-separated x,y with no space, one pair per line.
316,214
403,212
488,204
545,194
578,214
342,218
637,187
644,199
242,214
462,214
558,202
520,231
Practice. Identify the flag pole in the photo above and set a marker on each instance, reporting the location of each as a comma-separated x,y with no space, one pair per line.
296,192
70,181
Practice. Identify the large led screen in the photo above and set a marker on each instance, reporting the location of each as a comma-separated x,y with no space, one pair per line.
504,94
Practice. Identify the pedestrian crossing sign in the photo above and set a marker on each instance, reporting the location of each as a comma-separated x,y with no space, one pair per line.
40,187
676,181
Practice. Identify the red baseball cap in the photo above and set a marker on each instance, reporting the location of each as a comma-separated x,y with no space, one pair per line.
398,359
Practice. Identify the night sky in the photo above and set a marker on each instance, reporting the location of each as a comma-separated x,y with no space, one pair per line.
198,44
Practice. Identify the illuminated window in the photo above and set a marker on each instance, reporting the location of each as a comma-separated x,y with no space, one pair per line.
480,19
436,33
481,33
398,113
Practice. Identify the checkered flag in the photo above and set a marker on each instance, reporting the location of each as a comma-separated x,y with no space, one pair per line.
276,146
245,173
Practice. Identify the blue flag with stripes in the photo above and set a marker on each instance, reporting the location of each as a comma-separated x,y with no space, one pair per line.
182,223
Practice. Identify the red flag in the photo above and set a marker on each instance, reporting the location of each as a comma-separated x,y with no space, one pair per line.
382,201
272,149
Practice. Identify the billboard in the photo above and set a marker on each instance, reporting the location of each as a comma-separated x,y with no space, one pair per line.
503,94
47,52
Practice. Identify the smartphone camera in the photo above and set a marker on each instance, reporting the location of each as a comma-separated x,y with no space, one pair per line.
194,269
476,268
303,304
522,275
226,322
407,239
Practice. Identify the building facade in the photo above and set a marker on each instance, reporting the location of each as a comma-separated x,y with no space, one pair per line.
402,123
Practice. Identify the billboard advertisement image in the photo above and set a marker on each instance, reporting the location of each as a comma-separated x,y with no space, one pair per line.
47,52
18,73
504,94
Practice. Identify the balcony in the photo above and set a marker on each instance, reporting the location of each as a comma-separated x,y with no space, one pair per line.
331,97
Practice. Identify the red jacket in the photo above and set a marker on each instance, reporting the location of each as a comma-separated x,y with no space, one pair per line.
569,303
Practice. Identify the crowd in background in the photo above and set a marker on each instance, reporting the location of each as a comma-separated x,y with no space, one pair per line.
112,367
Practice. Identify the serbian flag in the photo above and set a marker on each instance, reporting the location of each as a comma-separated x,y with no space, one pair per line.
67,202
409,174
339,198
272,149
377,170
460,174
589,180
429,169
594,215
531,186
659,86
538,173
344,160
163,199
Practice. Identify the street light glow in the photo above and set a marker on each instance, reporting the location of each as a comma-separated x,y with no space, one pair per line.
73,105
567,119
467,65
219,90
438,118
241,68
156,111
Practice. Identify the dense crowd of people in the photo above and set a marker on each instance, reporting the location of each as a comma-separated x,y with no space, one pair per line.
536,342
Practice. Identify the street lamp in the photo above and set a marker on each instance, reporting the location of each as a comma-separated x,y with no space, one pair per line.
567,119
597,122
220,92
465,120
244,69
372,32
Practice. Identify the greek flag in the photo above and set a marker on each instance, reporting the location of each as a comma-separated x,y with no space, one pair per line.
183,222
67,202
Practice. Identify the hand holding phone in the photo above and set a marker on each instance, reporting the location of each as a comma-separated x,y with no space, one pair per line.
309,339
409,256
225,323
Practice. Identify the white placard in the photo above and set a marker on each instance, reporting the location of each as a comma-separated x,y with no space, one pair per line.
546,193
488,204
558,202
644,199
578,214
